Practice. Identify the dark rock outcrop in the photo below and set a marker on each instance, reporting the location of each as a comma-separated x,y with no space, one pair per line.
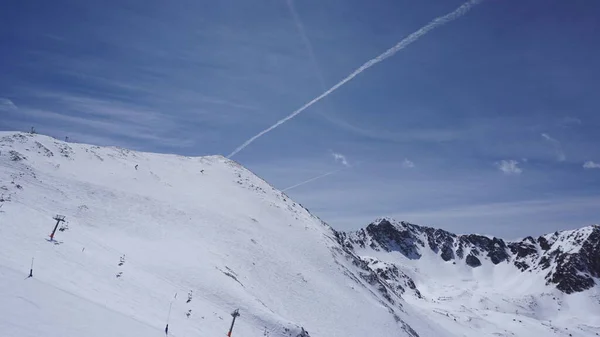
575,270
393,238
472,261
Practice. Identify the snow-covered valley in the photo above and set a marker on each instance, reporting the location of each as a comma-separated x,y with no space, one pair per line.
144,230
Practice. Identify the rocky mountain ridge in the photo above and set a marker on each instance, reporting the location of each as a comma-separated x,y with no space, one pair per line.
569,260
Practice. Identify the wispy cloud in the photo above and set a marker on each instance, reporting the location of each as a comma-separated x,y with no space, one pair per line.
570,121
408,163
340,158
94,117
432,135
560,154
108,109
7,104
509,166
591,165
462,206
508,218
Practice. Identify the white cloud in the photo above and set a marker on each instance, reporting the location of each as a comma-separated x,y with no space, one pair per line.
560,154
407,163
7,104
591,165
341,158
509,167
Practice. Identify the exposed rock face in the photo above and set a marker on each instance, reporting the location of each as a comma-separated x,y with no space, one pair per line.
572,258
389,280
569,259
472,261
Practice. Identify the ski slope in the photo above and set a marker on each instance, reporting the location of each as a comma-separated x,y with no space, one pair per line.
210,226
202,224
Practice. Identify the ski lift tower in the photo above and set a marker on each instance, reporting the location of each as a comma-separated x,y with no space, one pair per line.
59,219
235,314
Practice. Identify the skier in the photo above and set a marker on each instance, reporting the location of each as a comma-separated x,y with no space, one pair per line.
189,297
136,166
167,329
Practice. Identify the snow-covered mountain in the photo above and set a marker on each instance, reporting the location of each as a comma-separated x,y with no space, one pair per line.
144,230
569,260
485,285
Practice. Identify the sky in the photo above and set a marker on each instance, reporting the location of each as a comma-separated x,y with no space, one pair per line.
486,124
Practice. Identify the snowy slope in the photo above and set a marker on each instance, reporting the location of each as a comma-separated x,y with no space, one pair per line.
202,224
208,225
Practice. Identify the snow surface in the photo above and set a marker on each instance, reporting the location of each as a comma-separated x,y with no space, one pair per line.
208,225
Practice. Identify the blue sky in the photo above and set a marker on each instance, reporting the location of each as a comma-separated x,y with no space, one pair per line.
487,124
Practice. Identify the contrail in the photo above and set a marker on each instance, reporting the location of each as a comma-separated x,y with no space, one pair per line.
314,178
311,54
560,154
307,43
439,21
